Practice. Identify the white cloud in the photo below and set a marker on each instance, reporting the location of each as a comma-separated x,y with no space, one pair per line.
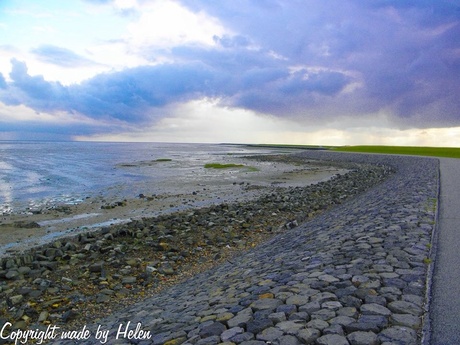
166,24
125,4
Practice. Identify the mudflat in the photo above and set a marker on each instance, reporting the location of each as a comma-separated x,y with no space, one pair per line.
201,187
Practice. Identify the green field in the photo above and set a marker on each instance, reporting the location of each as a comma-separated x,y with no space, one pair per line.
451,152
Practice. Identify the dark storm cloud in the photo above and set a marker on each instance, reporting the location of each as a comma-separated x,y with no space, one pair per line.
129,94
286,58
33,91
125,95
60,56
406,53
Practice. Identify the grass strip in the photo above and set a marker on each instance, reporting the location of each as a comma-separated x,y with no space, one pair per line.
450,152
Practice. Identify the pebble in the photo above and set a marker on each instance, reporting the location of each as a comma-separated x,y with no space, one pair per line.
354,274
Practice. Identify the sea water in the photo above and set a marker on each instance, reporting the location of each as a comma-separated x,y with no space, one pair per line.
34,174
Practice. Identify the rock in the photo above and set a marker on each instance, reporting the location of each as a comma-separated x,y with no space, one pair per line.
266,303
341,320
277,317
270,334
328,278
288,340
308,335
22,325
96,267
69,315
12,274
213,340
249,342
230,333
324,297
333,329
167,269
332,305
102,298
290,327
318,324
323,314
298,300
287,309
398,335
17,299
300,316
240,319
215,328
310,307
224,317
332,339
363,338
348,311
374,309
24,270
404,307
242,337
176,341
129,280
43,316
257,326
406,320
368,323
150,269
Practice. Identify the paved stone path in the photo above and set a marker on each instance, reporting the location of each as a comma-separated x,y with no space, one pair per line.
445,301
354,275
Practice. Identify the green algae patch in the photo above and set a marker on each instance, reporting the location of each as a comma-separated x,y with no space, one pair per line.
230,166
223,166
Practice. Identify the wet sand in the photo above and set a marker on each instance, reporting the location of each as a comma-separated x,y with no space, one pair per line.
198,188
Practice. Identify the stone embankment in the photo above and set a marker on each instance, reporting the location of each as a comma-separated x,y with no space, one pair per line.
355,274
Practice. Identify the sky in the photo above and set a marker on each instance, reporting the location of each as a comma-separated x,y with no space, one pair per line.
336,72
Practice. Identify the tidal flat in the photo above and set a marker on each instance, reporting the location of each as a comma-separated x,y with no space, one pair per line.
200,186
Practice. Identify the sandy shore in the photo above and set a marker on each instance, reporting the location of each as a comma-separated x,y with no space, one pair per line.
200,187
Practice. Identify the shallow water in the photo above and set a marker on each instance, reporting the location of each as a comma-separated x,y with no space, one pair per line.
34,173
